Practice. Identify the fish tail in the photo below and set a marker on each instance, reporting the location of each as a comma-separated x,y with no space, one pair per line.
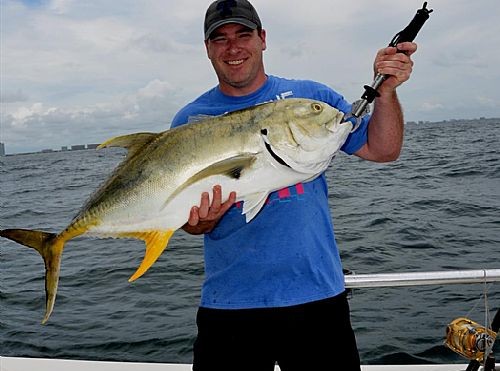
50,247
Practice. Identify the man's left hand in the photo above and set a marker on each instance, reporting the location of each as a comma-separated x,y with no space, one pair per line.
396,63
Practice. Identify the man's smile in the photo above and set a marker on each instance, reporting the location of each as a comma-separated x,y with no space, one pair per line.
235,62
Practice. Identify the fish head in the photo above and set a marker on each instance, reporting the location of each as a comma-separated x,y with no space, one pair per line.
304,134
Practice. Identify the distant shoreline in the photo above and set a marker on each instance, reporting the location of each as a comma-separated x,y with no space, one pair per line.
48,151
83,147
457,121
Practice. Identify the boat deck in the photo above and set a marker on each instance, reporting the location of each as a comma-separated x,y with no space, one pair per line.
44,364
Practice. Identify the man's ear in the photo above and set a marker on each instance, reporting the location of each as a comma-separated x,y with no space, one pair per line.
206,48
263,38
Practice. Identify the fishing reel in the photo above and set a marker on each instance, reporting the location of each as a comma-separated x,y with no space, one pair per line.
473,341
469,339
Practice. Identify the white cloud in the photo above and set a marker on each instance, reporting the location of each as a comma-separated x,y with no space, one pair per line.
23,114
150,108
93,69
431,106
12,97
60,6
488,101
155,88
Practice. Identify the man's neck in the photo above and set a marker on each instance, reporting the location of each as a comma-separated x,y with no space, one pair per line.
236,91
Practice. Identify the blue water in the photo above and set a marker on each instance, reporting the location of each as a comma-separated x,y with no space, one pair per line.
436,208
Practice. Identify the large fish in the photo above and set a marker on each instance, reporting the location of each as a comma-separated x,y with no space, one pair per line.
149,195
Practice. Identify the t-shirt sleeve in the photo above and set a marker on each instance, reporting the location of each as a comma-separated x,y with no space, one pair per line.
180,117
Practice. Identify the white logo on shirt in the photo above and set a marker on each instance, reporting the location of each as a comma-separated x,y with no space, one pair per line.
284,95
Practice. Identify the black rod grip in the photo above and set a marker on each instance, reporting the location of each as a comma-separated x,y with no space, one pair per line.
410,32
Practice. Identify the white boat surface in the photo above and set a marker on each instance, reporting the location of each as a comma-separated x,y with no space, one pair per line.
351,280
44,364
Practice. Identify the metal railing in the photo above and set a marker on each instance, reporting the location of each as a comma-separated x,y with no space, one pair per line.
421,278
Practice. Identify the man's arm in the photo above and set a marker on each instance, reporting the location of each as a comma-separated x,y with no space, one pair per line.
386,127
203,218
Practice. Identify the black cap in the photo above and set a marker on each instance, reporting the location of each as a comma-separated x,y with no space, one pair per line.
222,12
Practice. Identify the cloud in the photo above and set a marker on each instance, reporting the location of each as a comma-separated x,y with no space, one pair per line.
60,6
148,109
154,43
431,106
488,101
13,97
91,69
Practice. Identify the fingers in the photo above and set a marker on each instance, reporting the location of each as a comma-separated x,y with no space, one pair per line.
390,58
194,217
395,63
399,69
204,205
230,201
216,200
210,211
407,48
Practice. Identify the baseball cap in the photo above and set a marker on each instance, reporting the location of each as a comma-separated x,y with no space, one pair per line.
222,12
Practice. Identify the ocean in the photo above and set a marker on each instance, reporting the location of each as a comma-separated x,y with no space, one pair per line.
436,208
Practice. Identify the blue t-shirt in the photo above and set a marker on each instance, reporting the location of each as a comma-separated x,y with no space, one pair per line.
287,255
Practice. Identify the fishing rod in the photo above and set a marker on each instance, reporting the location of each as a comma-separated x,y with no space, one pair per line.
361,107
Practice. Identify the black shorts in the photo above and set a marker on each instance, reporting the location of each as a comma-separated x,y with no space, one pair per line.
312,336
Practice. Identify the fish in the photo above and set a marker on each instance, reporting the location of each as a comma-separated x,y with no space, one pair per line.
148,196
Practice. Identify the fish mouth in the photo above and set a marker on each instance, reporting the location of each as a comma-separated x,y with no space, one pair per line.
336,124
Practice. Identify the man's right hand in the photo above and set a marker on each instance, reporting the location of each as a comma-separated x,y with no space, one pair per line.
203,218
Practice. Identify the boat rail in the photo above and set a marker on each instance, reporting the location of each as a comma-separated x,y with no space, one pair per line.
353,280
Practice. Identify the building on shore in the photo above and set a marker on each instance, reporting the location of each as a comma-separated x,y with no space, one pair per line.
2,149
78,147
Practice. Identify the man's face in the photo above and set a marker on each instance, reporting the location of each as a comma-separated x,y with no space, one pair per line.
236,54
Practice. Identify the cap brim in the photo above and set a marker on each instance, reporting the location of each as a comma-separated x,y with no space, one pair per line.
242,21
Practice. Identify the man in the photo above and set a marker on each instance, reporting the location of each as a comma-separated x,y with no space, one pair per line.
274,289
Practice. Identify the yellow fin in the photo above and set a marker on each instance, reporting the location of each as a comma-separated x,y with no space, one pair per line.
156,242
132,142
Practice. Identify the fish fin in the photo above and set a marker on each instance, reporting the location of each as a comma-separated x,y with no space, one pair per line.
50,247
156,242
231,167
252,204
132,142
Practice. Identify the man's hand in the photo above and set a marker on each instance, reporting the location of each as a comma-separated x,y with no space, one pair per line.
398,66
385,131
203,218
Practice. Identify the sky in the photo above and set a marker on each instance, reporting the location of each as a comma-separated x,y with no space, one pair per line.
77,72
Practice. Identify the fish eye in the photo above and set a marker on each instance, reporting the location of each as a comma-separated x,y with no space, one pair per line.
317,107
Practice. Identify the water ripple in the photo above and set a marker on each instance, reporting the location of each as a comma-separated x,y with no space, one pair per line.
435,208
